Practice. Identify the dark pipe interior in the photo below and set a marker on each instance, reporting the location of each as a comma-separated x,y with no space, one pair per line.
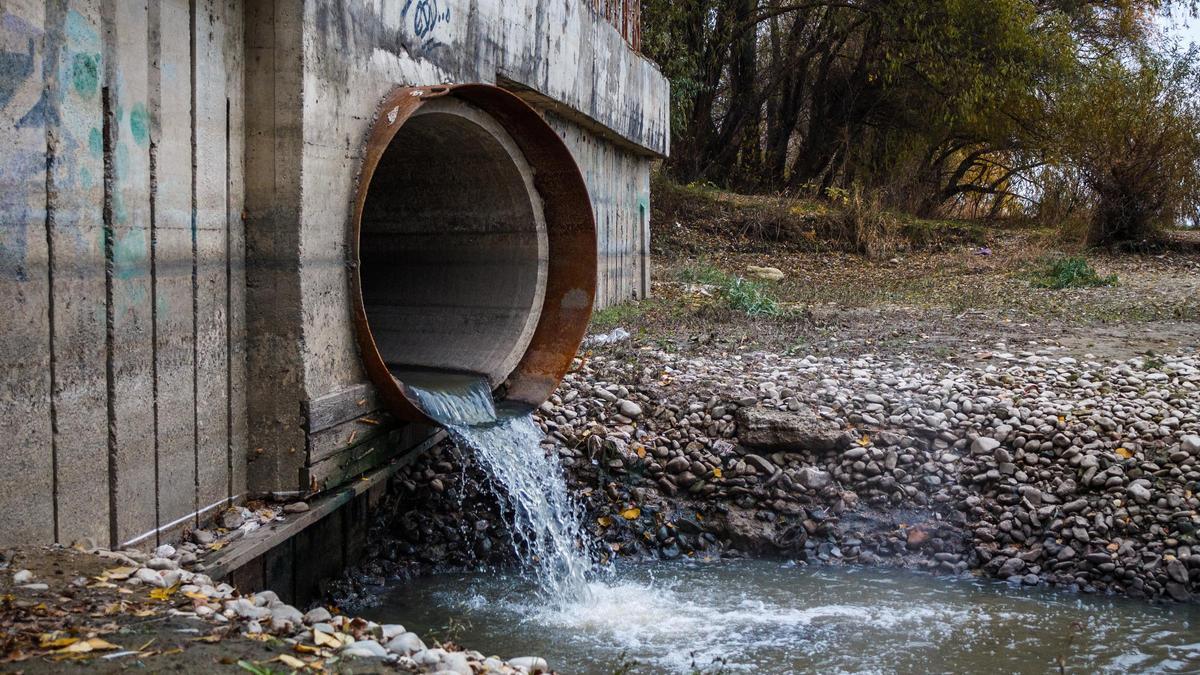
453,246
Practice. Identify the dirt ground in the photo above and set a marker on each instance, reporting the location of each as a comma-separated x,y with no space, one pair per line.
955,301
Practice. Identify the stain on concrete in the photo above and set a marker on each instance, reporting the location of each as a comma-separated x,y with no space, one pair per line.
85,74
139,124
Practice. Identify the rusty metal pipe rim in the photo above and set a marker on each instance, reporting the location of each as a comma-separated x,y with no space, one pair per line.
569,247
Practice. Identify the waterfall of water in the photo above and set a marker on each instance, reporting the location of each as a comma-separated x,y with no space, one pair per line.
548,527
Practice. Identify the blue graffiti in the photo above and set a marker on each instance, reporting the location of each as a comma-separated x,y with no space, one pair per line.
426,16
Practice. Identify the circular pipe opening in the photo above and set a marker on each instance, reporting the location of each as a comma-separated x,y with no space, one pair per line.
453,246
472,245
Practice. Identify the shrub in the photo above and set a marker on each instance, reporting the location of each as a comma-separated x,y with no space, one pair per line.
740,294
1071,272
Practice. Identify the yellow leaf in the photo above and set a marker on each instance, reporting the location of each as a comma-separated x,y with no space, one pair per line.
1124,453
326,640
630,514
196,596
641,452
50,642
865,440
118,573
717,473
80,647
216,546
164,594
307,649
291,661
604,521
102,645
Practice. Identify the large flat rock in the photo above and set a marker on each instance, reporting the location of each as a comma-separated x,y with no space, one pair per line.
776,430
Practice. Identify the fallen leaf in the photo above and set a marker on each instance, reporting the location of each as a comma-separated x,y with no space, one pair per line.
326,640
118,573
164,594
604,521
865,440
641,452
209,639
717,473
631,513
291,661
48,641
307,649
1124,453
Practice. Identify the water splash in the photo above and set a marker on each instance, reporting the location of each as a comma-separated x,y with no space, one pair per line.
548,532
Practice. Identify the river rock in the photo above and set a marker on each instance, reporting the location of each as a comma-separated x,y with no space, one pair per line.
629,408
368,649
984,445
533,664
771,429
405,644
317,615
1190,445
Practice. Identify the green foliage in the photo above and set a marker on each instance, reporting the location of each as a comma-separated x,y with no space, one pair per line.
617,315
740,294
1059,109
1070,272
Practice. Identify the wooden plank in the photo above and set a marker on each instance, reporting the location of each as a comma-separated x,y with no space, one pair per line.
342,437
75,53
348,465
130,349
25,403
209,207
236,246
272,538
170,123
340,406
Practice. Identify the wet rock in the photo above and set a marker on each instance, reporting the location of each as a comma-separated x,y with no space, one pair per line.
813,479
296,507
22,577
984,446
763,465
232,519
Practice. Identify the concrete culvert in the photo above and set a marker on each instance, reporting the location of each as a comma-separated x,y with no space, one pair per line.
473,245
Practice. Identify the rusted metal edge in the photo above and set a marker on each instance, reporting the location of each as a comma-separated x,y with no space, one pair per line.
570,229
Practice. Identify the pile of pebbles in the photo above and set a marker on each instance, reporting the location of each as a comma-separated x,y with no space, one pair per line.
317,633
1033,467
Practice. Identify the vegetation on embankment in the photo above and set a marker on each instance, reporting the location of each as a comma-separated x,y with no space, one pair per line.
1079,115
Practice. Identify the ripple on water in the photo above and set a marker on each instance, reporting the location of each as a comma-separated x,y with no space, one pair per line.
771,617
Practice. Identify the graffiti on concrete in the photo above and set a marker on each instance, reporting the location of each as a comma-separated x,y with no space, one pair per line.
426,15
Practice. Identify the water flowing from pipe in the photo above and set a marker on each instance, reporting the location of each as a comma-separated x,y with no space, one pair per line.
548,532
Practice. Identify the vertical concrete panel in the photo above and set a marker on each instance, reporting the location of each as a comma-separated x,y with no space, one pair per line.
130,369
75,68
211,231
25,428
171,131
236,271
274,145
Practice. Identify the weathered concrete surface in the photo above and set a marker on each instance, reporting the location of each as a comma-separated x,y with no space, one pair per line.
98,268
609,103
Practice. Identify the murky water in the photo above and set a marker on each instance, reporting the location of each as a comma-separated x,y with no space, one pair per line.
774,617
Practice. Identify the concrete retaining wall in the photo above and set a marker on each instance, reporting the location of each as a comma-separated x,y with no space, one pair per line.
121,273
175,188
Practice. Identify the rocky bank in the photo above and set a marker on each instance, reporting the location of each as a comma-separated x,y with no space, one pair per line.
1033,466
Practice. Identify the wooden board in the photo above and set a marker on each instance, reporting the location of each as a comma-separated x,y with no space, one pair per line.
75,54
340,437
340,406
171,124
25,402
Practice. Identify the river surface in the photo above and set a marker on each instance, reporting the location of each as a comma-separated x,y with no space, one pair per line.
777,617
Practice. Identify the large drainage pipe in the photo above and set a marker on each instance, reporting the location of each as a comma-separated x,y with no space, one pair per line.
472,246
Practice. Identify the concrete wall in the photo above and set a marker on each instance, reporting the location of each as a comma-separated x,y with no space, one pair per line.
608,103
121,276
175,188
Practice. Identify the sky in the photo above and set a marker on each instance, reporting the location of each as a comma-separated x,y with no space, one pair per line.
1186,30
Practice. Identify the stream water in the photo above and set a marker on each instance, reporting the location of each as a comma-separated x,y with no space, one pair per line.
773,617
744,615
